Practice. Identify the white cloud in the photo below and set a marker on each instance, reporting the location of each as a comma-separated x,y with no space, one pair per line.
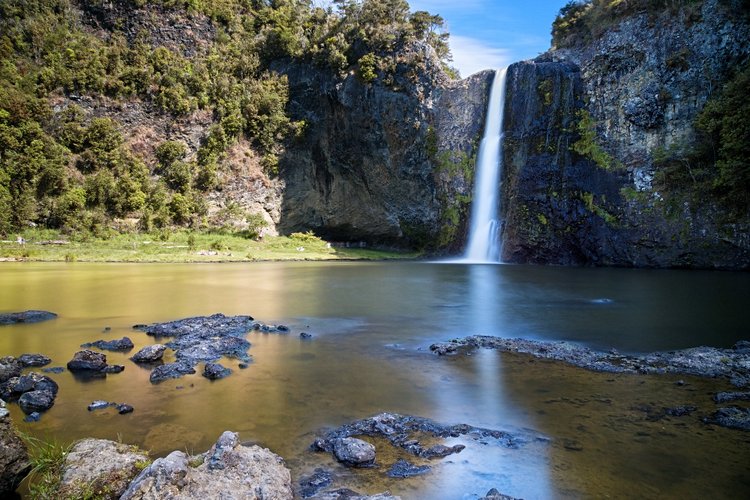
471,55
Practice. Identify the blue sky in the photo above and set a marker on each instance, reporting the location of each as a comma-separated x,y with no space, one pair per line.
494,33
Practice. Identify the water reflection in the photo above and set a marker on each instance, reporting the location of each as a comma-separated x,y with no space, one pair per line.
369,322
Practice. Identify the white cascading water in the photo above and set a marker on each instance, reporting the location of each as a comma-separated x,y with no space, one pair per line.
484,231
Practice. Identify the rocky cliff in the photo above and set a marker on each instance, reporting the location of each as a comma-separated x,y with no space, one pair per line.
585,129
387,162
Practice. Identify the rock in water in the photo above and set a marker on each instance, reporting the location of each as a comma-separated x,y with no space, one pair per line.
14,459
9,367
98,405
170,370
123,344
124,408
87,362
354,452
26,317
99,465
28,360
35,401
214,371
149,354
229,470
311,485
402,469
732,417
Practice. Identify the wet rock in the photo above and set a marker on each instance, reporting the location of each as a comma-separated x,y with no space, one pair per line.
14,388
53,369
725,397
123,344
701,361
214,371
403,469
98,405
149,354
305,335
354,452
407,433
347,494
34,416
271,328
87,361
9,367
29,360
170,370
229,470
680,411
732,417
99,465
493,494
14,458
30,316
124,408
205,338
113,369
35,401
310,485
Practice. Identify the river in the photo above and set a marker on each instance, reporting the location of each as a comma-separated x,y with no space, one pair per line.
372,324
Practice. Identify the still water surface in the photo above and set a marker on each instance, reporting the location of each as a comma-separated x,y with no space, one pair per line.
372,324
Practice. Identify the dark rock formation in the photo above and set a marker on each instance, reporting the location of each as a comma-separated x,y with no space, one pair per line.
28,360
124,408
354,452
733,364
642,83
53,369
123,344
725,397
87,362
494,494
214,371
227,470
170,370
312,484
36,401
305,335
14,458
98,405
33,391
402,469
732,417
9,367
149,354
408,433
30,316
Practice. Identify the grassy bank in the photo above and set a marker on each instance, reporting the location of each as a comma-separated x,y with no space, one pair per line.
181,246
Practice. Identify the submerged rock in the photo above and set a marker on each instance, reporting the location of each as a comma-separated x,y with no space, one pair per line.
702,361
725,397
149,354
97,465
30,316
347,494
732,417
402,469
14,458
53,369
228,470
310,485
354,452
123,344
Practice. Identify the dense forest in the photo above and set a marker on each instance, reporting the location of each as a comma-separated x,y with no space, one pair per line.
63,168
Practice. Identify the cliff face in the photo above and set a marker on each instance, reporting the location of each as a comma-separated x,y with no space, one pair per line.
619,101
381,163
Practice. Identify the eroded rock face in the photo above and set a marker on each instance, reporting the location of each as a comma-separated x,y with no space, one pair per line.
100,465
14,458
643,83
228,470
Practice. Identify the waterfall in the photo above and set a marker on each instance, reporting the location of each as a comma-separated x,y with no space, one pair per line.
485,229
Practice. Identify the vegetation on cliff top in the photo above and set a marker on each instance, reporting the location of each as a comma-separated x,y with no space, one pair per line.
65,164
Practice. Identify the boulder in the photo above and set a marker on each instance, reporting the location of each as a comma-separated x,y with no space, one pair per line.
28,360
99,466
36,401
354,452
26,317
14,458
123,344
214,371
149,354
87,361
228,471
